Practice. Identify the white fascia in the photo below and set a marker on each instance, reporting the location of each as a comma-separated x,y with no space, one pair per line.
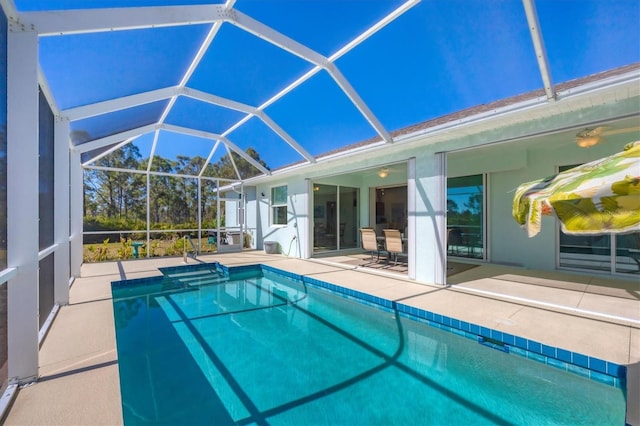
82,21
98,108
630,79
538,45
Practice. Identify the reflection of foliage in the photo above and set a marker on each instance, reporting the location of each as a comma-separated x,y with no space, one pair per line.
472,213
126,310
474,205
452,207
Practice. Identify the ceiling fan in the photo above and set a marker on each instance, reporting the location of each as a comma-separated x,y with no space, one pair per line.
593,136
384,171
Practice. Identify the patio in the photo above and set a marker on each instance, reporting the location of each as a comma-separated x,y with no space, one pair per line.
595,316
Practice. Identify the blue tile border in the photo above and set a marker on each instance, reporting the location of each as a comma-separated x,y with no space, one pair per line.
136,281
593,368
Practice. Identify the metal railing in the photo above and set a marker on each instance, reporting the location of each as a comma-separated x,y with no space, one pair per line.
185,254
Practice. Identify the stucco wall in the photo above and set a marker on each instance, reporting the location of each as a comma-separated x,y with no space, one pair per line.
506,165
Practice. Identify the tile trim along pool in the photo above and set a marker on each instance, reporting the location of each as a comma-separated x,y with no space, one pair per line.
573,362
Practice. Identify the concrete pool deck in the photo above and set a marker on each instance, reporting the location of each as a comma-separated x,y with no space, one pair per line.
595,316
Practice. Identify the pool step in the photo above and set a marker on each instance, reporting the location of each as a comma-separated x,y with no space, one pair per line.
198,278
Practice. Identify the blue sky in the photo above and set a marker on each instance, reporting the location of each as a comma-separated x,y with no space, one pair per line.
439,57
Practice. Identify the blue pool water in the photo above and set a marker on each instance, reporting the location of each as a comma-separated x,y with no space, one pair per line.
255,347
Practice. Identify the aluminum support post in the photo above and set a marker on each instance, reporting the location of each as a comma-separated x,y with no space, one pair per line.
22,203
62,268
76,188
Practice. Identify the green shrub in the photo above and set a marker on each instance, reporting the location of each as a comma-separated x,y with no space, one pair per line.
125,251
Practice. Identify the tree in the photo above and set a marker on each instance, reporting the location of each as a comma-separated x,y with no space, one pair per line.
173,200
224,168
115,194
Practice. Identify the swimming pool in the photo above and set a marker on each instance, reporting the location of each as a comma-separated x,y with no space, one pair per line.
254,345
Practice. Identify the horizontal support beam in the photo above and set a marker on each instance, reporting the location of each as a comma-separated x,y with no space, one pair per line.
217,100
189,131
91,110
108,151
64,22
115,138
272,36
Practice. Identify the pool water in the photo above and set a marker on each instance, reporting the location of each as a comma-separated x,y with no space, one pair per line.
260,348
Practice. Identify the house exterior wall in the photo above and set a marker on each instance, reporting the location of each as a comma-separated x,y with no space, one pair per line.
502,154
291,237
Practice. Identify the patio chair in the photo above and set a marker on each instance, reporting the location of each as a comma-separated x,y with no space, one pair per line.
393,243
370,242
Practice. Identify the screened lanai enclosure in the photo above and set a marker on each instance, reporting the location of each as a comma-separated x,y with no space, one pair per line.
143,128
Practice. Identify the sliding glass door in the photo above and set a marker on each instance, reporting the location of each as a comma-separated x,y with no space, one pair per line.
609,253
335,217
465,216
606,253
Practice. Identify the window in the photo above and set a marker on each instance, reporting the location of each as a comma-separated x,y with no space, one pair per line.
279,205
